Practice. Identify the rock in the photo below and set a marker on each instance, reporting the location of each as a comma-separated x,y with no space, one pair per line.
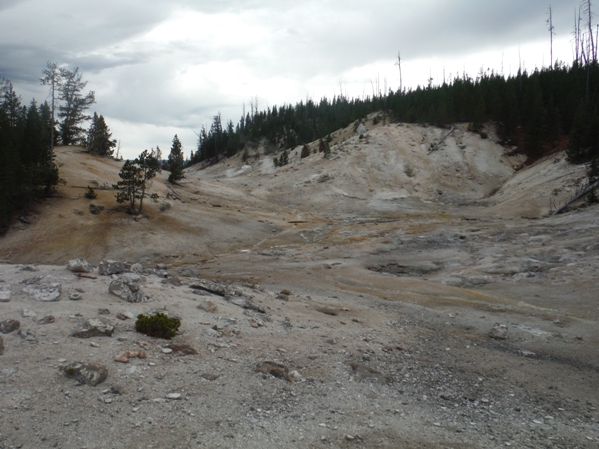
26,313
129,291
46,320
94,327
5,292
499,331
164,207
173,396
75,296
44,292
174,280
27,335
1,346
30,281
245,302
160,266
285,292
8,326
137,268
87,373
108,267
274,369
103,312
188,273
210,287
95,209
80,266
124,356
209,376
28,268
361,129
208,306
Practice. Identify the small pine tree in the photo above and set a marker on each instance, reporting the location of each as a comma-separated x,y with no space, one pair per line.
90,193
135,179
284,158
99,137
176,161
305,151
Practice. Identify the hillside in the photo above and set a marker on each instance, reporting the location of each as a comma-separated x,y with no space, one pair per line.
374,277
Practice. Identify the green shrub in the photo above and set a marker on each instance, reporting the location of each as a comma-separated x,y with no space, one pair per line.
159,325
90,193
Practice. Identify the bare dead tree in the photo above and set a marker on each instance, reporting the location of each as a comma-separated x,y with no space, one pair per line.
53,79
398,64
551,33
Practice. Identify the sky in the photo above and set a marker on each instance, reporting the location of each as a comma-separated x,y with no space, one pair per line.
162,68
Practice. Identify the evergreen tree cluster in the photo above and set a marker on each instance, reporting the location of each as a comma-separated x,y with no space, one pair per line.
27,168
99,139
536,112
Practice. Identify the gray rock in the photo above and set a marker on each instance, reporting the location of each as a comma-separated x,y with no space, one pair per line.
108,267
188,273
87,373
44,292
129,292
210,287
27,335
6,373
361,129
499,331
75,296
28,268
94,327
26,313
30,281
137,268
5,292
8,326
80,266
1,346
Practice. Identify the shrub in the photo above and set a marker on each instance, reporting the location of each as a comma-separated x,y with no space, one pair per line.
305,151
159,325
90,193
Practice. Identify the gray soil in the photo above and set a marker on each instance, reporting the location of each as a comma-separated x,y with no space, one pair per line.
369,281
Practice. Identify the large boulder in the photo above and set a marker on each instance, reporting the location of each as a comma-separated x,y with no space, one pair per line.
5,292
80,266
44,292
108,267
94,327
86,373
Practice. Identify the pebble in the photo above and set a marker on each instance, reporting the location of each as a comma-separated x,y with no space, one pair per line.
166,350
173,396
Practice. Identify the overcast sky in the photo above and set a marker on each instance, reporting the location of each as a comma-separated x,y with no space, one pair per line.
163,68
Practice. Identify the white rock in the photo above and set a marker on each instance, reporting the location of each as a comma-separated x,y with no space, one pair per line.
44,292
79,266
5,292
173,396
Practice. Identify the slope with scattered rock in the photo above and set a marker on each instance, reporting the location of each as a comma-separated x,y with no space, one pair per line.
384,297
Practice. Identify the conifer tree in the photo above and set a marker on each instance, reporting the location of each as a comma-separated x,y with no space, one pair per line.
175,161
99,137
135,180
72,111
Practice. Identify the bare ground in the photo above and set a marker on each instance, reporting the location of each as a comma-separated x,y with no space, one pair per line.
397,263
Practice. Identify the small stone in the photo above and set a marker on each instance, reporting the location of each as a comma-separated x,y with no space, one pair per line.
349,438
103,312
499,331
209,376
8,326
173,396
87,373
122,316
75,296
274,369
5,293
80,266
1,345
27,335
208,306
167,350
46,320
137,268
26,313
